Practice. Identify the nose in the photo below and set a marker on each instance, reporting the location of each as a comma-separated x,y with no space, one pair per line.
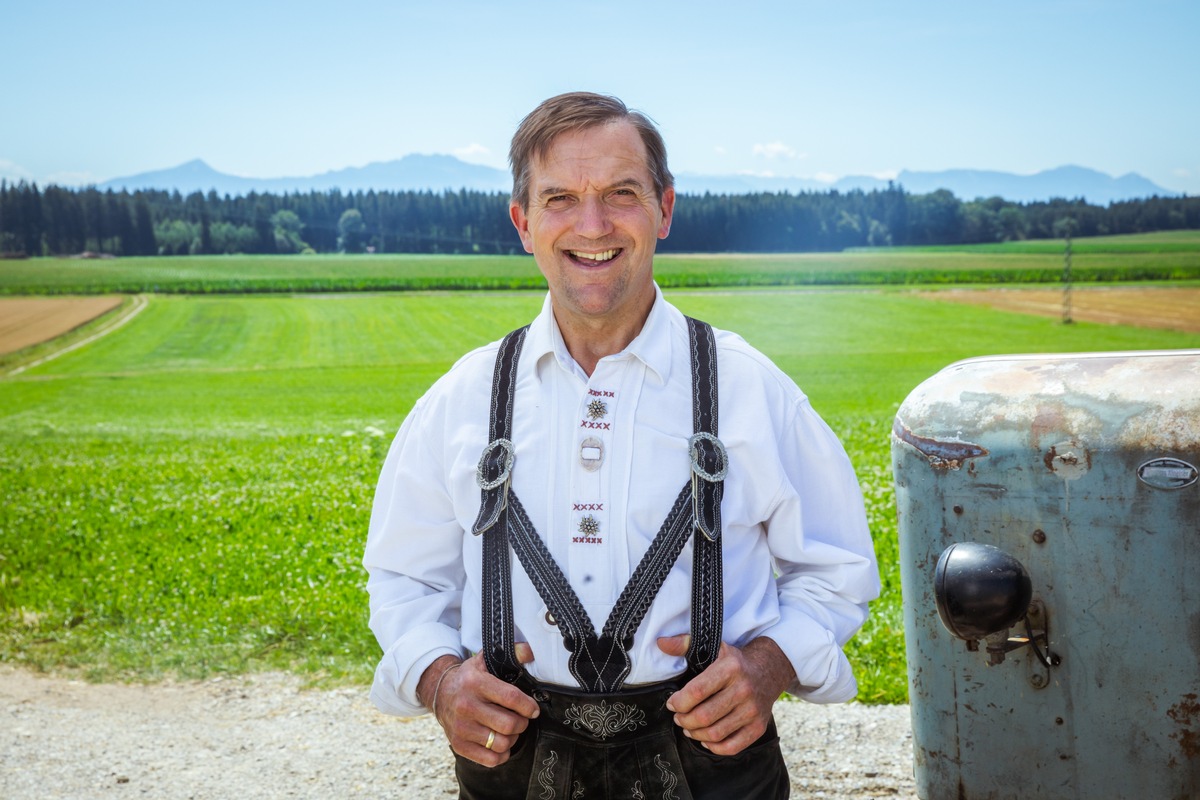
593,221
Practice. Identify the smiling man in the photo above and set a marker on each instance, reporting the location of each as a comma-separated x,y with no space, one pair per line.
689,536
591,216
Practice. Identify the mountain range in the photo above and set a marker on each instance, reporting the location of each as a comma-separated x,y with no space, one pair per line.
440,172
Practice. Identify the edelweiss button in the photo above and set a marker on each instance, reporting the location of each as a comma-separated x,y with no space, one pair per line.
597,409
591,454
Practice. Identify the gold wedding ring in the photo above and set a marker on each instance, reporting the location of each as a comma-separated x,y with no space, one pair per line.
491,740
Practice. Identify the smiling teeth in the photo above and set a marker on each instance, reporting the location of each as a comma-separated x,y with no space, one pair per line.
605,256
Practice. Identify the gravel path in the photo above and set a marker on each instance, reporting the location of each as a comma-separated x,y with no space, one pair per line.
264,737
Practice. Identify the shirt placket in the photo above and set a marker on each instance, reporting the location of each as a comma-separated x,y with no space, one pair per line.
590,567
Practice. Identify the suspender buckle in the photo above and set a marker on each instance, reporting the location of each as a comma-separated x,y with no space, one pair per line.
710,463
498,454
714,448
497,461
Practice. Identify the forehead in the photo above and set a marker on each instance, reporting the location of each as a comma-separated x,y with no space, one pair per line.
600,154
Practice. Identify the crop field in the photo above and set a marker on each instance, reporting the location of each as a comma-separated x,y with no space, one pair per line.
189,494
26,321
1163,257
1174,308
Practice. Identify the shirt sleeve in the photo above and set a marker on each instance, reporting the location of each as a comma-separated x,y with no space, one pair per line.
414,561
824,558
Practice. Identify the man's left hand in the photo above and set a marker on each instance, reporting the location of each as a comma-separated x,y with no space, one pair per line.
727,707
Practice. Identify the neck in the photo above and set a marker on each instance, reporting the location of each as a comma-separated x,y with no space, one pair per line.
589,339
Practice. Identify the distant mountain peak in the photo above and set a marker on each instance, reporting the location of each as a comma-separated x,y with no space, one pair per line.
439,171
412,172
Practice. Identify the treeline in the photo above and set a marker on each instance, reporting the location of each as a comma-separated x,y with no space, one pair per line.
61,221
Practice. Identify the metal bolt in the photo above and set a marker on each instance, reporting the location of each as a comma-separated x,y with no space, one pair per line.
1037,680
1039,536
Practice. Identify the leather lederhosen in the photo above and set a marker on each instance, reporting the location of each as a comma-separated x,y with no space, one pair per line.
602,741
622,746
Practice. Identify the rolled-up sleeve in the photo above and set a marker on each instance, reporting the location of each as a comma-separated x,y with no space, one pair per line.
414,560
826,572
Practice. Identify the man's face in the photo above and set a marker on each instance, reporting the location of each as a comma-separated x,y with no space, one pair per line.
592,224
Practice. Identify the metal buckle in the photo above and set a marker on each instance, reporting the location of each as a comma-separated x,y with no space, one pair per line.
509,456
711,477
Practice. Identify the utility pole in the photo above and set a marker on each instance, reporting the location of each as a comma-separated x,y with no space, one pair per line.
1066,279
1065,226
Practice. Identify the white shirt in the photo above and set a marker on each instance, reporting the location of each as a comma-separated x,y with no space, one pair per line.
799,565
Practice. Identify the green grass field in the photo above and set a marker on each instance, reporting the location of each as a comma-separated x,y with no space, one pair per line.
1162,256
190,494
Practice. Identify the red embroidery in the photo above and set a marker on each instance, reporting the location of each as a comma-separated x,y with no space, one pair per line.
587,540
603,426
587,506
601,393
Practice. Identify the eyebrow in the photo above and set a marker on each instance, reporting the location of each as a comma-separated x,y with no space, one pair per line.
550,191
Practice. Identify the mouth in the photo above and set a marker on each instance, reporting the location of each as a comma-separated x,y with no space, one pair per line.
593,259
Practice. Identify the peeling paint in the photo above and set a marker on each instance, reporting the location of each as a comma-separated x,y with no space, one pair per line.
941,455
1068,460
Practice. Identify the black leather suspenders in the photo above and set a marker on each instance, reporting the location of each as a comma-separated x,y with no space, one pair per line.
601,662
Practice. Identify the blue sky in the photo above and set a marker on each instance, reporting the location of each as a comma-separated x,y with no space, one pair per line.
95,90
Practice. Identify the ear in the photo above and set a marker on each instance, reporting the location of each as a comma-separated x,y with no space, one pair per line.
521,222
668,208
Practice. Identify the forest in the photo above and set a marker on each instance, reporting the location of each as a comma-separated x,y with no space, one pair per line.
57,221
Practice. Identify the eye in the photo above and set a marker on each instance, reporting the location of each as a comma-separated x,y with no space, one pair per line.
557,200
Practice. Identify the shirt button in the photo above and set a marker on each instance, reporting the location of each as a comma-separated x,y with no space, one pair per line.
550,620
597,409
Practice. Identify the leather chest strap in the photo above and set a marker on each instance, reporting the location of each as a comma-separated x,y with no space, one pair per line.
601,663
494,475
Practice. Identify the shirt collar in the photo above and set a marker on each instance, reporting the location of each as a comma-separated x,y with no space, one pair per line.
652,346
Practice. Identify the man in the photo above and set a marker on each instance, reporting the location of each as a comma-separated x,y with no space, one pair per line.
653,476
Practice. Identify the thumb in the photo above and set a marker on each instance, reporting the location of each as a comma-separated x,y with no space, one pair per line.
675,645
524,652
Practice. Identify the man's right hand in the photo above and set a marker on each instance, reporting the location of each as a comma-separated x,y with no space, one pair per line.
472,703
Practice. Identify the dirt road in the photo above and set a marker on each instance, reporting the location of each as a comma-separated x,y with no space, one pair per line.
263,736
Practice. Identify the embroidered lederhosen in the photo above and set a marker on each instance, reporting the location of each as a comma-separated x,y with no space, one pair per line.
601,729
621,747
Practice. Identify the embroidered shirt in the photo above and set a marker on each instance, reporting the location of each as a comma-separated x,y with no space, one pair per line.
599,461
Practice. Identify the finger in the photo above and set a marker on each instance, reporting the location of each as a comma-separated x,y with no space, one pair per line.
495,741
481,744
490,689
739,741
708,683
524,653
476,752
712,723
477,749
675,645
501,721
